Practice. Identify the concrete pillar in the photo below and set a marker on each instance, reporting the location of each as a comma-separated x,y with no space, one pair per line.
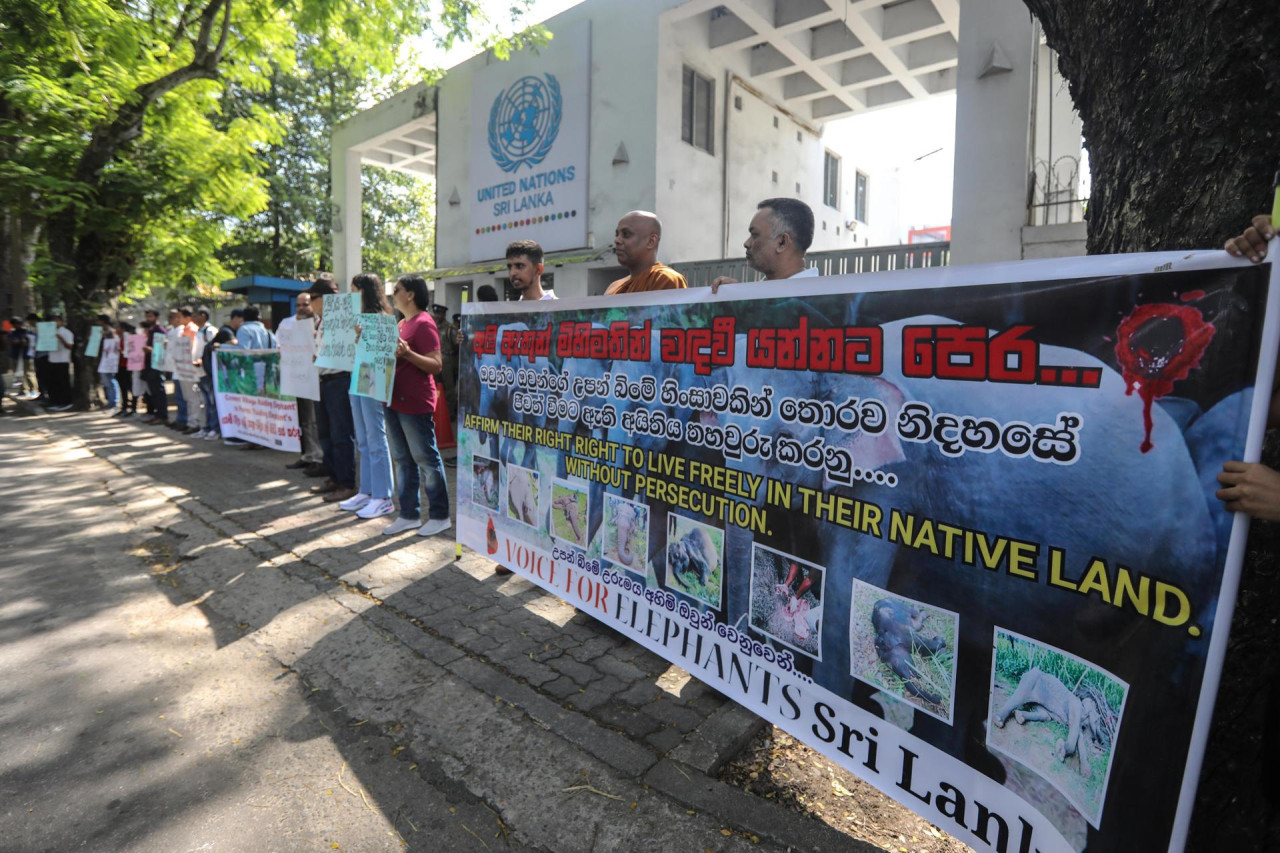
993,103
344,170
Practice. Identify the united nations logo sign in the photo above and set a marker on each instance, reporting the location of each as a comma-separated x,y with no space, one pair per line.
524,121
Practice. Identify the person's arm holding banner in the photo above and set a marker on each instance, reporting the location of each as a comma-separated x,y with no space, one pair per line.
1251,487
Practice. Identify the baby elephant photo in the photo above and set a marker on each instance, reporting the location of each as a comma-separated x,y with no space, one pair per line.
694,559
899,636
1041,697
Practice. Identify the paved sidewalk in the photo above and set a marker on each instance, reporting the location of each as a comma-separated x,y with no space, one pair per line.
574,736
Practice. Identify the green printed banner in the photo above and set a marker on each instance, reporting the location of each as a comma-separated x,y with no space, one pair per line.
956,529
246,385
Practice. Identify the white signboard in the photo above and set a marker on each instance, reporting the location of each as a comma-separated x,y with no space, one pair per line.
298,374
529,123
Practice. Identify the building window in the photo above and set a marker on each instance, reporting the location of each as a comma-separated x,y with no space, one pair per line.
860,198
699,111
831,181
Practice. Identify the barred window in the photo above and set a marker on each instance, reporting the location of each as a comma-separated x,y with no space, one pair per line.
699,111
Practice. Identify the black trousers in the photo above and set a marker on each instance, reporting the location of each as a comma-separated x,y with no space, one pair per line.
59,376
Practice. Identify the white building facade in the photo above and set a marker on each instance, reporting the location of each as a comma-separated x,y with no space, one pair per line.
697,110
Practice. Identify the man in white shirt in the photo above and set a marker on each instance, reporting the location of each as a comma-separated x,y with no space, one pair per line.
777,238
60,368
312,451
179,359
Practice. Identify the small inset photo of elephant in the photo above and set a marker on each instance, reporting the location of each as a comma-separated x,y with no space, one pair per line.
484,482
626,533
522,495
695,559
569,512
786,599
905,648
1058,715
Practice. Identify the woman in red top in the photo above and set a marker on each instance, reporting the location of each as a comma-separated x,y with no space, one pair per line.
410,423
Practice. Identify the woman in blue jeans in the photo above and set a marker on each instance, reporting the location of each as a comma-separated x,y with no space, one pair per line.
374,498
410,416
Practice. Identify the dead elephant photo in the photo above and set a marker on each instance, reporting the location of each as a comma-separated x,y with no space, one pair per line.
1058,715
905,648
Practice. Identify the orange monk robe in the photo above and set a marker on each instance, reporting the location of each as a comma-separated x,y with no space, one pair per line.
656,277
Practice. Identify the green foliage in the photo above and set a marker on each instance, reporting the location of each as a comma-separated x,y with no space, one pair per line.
142,137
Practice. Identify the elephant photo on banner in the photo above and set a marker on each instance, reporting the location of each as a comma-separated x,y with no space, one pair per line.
956,529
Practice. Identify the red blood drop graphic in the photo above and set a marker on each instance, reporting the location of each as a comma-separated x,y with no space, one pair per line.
1192,295
1156,346
491,538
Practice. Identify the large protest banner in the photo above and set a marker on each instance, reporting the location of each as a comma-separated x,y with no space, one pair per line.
298,374
375,363
338,331
954,528
246,387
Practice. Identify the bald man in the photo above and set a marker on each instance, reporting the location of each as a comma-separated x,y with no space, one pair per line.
635,242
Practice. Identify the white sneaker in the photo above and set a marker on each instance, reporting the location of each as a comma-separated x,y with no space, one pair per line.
355,501
212,436
400,525
434,526
375,507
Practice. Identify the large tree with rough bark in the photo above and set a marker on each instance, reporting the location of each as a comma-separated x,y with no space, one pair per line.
1180,105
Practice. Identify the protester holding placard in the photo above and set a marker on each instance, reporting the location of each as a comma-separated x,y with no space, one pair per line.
109,360
222,337
373,500
337,423
60,367
38,386
152,377
124,375
179,343
410,422
299,379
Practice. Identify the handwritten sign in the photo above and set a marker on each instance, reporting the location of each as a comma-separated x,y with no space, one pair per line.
375,363
46,337
298,375
159,348
338,332
134,356
94,346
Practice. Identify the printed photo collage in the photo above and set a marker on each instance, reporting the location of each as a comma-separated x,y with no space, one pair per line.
1049,710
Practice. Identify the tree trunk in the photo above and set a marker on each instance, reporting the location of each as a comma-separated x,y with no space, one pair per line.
1179,107
1181,111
